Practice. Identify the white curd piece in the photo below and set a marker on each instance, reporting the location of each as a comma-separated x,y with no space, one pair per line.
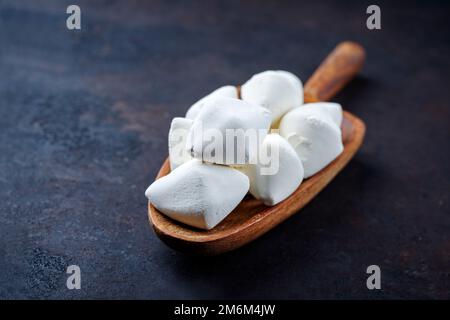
294,80
179,129
198,194
280,180
332,109
278,91
225,91
218,133
314,134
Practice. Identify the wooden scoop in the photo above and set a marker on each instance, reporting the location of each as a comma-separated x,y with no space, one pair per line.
251,218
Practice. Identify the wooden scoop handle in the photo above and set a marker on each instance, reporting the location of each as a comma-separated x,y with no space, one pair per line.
341,65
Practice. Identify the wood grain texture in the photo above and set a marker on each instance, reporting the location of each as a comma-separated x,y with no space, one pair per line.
251,218
343,63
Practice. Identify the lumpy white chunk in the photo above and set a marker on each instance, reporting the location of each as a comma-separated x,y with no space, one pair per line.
211,137
278,91
332,109
225,91
179,129
273,182
314,133
198,194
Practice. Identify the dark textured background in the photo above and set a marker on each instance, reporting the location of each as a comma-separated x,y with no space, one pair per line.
83,126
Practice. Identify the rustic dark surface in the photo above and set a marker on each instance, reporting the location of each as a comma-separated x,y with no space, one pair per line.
84,117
